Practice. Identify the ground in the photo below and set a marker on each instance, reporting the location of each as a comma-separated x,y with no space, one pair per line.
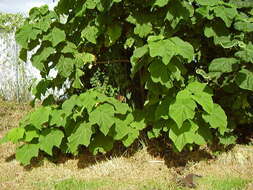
141,170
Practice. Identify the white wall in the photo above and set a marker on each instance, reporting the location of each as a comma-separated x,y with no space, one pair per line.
15,76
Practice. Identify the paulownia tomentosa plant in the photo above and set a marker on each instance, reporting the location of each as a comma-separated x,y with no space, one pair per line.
183,66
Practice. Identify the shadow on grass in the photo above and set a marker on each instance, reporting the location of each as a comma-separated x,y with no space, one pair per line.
160,148
157,148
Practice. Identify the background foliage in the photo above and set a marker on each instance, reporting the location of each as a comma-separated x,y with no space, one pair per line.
181,69
10,22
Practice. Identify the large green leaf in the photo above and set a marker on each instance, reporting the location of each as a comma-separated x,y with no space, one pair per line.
91,4
38,11
58,118
31,133
244,26
183,135
143,26
22,35
162,110
130,138
136,58
65,66
223,65
25,34
15,134
137,124
246,53
43,24
77,82
177,11
220,34
103,115
114,33
244,79
121,108
208,3
161,3
205,11
69,48
183,108
58,36
82,136
202,95
120,129
143,29
90,33
88,100
227,14
41,56
50,138
25,153
83,58
40,116
69,104
217,119
160,74
170,47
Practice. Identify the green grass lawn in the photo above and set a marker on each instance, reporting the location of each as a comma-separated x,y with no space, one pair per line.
208,183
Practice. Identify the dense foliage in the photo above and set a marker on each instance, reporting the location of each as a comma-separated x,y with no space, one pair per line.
10,22
179,68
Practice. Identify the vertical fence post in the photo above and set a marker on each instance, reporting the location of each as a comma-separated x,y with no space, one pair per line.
17,68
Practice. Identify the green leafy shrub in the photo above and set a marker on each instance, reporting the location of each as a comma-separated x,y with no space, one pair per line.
184,67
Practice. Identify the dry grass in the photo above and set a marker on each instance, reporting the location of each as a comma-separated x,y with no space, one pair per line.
126,173
11,113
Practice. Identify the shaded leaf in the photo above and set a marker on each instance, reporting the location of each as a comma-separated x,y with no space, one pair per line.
227,14
82,136
160,74
114,33
101,143
217,119
25,153
244,79
136,58
177,11
41,56
162,110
